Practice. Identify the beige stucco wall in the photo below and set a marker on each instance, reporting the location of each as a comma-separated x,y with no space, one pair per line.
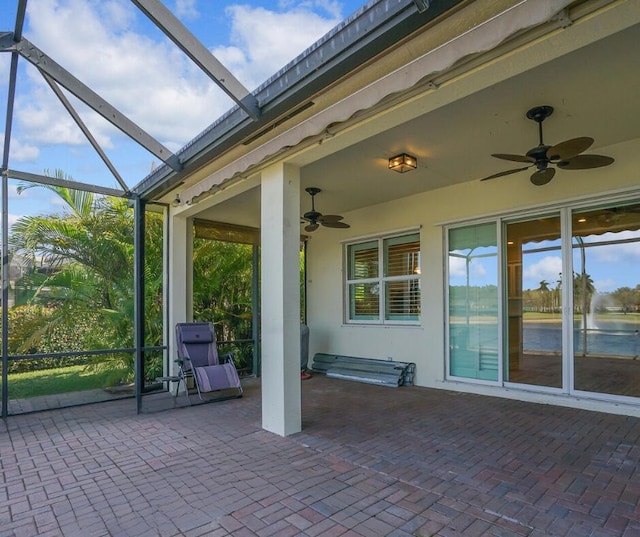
424,344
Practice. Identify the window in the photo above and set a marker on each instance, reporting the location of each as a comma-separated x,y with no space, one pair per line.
383,280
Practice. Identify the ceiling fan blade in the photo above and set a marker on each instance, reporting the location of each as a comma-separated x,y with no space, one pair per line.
508,172
330,218
312,227
585,162
514,158
340,225
570,148
542,177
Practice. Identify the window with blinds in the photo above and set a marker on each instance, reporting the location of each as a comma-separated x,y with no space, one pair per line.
383,280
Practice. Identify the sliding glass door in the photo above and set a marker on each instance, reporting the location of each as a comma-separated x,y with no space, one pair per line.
473,302
606,300
534,302
568,283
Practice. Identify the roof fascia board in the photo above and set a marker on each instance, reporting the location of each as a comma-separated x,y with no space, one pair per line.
199,54
45,64
370,31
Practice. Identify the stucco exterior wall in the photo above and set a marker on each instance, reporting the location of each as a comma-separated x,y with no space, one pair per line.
425,344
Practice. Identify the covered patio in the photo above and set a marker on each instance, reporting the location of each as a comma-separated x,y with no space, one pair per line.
370,461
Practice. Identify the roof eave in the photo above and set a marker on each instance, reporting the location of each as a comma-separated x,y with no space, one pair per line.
376,27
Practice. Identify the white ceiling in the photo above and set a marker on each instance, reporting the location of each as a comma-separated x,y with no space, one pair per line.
595,92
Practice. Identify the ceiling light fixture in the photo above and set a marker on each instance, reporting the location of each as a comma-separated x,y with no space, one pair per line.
403,163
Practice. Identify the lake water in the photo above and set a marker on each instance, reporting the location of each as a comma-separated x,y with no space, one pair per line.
609,338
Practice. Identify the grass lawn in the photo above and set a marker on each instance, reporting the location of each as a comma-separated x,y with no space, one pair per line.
51,381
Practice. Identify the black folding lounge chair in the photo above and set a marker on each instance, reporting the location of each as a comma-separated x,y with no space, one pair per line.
198,358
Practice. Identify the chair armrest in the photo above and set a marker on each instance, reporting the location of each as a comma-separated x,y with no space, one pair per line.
226,357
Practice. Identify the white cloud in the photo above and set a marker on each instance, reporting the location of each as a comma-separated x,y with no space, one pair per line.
607,284
457,267
19,151
151,82
13,218
186,9
478,270
264,41
548,268
332,8
617,253
12,190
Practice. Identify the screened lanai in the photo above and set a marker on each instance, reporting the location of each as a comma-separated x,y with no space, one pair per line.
74,143
454,89
34,291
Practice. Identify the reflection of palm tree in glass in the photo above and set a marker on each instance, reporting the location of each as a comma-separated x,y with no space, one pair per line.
583,291
587,290
544,295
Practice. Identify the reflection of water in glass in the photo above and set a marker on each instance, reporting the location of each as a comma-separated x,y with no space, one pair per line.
616,338
610,338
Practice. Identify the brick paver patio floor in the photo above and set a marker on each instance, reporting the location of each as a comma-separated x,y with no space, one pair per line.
370,461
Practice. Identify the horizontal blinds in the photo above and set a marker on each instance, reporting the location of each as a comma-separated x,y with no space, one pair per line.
363,261
364,300
402,256
402,299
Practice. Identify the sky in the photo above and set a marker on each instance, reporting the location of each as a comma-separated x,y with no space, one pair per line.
609,265
111,47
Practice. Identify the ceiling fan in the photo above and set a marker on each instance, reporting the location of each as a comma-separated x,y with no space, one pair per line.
565,155
317,219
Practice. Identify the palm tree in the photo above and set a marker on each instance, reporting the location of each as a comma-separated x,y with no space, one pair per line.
88,252
87,287
544,295
583,285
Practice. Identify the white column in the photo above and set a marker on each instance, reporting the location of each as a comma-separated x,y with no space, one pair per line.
280,295
179,295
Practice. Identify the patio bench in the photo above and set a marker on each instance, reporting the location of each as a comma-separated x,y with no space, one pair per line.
367,370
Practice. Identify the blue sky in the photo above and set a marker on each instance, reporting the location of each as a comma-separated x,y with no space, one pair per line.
110,46
610,266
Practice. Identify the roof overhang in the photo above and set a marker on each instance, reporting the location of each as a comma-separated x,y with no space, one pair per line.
575,56
419,74
374,29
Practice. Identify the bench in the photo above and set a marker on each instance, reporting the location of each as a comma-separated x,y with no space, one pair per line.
368,370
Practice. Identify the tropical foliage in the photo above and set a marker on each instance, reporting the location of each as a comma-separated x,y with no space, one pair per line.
82,279
76,292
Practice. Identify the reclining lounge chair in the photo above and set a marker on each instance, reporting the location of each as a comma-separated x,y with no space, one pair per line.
198,358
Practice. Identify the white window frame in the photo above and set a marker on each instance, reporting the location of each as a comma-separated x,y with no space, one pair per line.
381,280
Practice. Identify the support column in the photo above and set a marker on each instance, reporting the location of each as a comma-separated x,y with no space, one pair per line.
280,256
138,296
179,295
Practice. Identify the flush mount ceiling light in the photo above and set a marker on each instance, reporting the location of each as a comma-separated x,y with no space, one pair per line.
403,163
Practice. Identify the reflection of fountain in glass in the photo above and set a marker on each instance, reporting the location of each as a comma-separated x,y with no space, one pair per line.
596,301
